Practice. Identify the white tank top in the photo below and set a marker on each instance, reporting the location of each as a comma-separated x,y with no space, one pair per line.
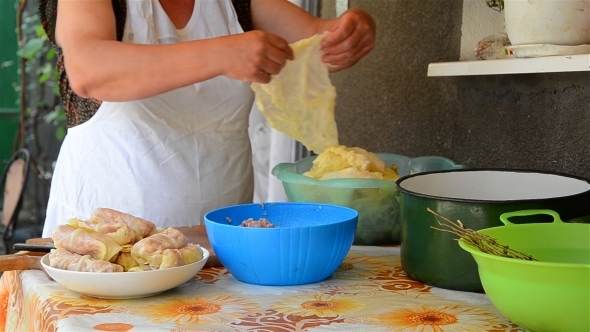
170,158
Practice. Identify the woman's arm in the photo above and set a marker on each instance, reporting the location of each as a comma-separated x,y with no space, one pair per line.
352,35
100,67
285,19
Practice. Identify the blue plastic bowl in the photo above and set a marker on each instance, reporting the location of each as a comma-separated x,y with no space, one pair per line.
307,244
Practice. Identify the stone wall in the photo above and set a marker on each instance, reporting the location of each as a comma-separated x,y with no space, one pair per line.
388,104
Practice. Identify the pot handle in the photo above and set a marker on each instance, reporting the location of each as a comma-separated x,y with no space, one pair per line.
524,213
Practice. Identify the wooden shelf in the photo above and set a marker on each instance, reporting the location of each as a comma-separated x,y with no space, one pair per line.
549,64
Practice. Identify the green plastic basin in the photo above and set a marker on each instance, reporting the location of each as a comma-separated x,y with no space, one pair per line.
374,200
551,294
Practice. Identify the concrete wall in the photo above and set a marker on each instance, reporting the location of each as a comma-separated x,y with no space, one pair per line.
387,103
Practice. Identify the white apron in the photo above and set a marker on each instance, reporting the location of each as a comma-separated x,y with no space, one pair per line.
170,158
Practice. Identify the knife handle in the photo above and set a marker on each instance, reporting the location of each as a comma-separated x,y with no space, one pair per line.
33,247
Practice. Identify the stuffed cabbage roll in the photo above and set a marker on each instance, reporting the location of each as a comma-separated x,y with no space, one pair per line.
169,258
63,259
140,268
177,257
142,228
118,230
191,253
126,261
149,250
85,241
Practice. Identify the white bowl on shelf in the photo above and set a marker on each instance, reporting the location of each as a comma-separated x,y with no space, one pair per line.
555,22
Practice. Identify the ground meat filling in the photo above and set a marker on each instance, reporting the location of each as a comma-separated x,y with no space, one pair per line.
261,223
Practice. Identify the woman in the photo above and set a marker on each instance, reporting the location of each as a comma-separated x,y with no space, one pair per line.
157,97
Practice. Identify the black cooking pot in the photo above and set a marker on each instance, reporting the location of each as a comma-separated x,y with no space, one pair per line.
477,198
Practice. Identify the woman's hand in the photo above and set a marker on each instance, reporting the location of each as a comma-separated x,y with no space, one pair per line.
351,37
256,55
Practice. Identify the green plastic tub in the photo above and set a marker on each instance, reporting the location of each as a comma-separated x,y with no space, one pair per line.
374,200
551,294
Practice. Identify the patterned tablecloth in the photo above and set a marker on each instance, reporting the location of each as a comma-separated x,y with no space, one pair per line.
369,292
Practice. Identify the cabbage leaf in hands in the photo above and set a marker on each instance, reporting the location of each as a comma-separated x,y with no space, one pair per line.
300,100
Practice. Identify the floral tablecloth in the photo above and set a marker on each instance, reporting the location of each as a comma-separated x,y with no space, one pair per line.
369,292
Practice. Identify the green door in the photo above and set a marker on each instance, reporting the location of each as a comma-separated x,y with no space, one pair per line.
9,112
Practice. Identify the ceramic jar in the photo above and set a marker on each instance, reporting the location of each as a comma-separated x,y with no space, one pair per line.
556,22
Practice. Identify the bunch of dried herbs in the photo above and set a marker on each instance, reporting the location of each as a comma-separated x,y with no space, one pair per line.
484,243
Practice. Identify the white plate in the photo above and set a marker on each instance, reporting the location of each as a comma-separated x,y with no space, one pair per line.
124,285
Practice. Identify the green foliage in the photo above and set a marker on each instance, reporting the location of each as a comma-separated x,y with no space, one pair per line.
42,77
57,117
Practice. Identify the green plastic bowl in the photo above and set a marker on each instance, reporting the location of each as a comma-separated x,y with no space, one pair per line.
551,294
374,200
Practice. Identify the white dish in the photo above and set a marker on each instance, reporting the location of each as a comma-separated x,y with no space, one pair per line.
124,285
